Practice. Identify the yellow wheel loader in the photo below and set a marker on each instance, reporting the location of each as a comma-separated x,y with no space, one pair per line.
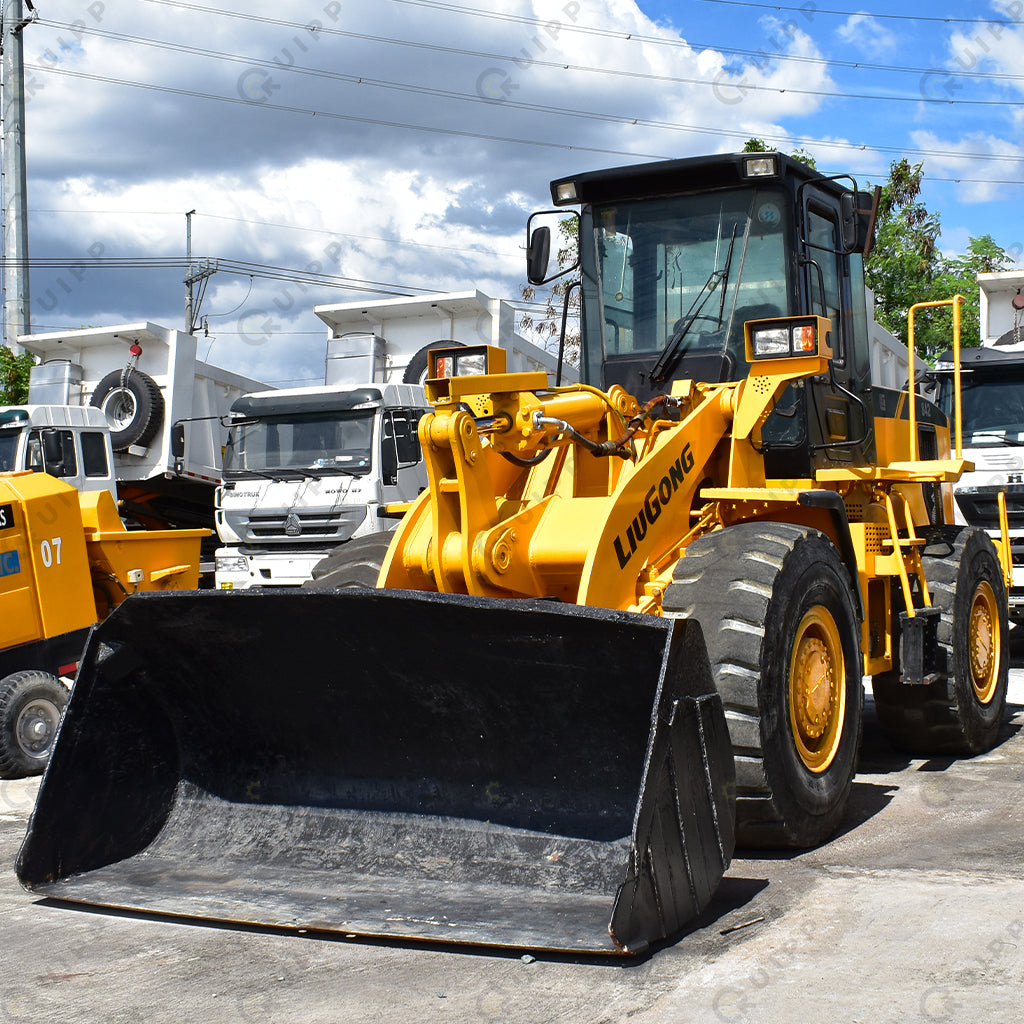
625,625
66,560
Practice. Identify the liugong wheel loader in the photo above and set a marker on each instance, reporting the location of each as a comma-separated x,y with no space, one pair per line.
625,625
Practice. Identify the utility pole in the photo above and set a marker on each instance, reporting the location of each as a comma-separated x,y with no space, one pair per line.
189,281
200,274
17,319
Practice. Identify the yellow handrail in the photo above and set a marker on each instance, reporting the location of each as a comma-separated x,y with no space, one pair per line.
957,413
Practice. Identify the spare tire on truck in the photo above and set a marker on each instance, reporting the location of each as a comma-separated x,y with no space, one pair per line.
133,405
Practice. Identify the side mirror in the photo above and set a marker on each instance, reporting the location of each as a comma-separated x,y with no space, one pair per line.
389,456
538,254
53,447
178,440
859,211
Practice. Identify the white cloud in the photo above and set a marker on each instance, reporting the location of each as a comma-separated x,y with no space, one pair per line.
293,169
867,34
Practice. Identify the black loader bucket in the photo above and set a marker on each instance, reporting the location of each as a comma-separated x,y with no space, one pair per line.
387,763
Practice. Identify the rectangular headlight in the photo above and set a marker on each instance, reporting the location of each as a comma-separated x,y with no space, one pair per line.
759,166
231,563
771,341
565,192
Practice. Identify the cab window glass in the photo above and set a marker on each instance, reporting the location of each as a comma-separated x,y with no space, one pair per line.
94,454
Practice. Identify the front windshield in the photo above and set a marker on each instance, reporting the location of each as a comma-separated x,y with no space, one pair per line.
993,407
310,443
9,451
705,263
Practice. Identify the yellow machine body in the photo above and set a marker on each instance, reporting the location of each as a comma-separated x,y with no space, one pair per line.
66,559
609,532
45,582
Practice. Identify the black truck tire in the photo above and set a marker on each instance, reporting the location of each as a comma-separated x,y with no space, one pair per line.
356,563
962,711
134,409
778,614
31,704
416,371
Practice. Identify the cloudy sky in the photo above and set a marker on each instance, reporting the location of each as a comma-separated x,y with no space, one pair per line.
397,146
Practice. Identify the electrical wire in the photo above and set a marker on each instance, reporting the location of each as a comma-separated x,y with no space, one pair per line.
857,14
508,103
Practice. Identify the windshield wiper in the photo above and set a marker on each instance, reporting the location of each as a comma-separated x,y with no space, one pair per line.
336,470
994,437
674,346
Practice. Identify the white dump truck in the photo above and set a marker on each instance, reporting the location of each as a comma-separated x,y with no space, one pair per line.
104,408
992,386
307,469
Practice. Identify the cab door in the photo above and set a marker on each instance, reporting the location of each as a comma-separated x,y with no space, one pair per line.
839,421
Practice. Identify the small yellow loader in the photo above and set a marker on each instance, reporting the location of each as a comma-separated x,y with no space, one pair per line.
66,561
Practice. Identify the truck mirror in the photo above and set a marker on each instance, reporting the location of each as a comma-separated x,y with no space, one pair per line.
389,453
178,440
849,215
53,450
537,255
858,212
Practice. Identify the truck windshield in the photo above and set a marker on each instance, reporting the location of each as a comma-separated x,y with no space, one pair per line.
9,450
696,266
308,444
993,405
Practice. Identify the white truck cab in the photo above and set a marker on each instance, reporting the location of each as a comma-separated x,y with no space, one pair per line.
307,469
66,441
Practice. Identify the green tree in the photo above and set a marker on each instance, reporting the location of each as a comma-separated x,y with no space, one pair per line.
907,266
755,145
14,371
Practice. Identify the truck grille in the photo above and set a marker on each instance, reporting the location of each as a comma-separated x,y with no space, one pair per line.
291,527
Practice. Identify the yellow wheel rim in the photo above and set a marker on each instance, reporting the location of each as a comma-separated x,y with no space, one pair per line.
817,690
983,642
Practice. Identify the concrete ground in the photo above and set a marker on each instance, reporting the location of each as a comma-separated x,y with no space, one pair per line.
914,913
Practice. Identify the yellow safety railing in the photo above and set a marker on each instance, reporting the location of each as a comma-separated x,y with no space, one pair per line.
957,414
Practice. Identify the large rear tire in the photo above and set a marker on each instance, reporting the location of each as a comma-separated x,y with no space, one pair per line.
356,563
962,711
777,609
31,704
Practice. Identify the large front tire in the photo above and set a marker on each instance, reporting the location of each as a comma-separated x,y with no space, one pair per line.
961,711
777,610
31,704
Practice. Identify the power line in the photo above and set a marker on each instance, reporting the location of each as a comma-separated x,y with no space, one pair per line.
533,61
717,130
464,249
376,122
364,80
857,14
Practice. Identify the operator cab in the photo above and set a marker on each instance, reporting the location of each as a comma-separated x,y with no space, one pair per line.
675,257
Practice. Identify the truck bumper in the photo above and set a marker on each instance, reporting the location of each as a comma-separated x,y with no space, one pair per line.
237,570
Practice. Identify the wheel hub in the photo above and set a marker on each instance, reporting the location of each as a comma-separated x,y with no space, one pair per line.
983,643
814,684
36,727
817,693
120,409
